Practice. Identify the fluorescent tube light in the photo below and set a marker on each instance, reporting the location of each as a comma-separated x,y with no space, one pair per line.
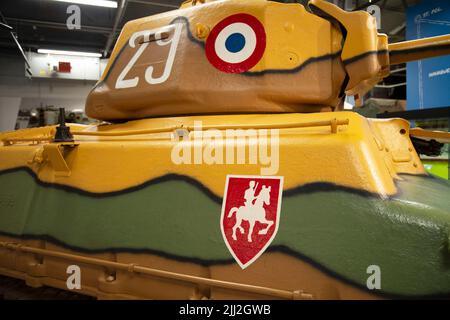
98,3
71,53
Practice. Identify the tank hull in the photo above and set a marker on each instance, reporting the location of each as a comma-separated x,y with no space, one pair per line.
352,198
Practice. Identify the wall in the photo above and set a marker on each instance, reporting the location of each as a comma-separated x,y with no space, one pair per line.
36,92
428,80
9,107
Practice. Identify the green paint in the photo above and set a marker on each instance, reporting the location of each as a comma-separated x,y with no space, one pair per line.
408,237
437,168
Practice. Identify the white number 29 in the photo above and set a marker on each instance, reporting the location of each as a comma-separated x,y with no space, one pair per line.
121,83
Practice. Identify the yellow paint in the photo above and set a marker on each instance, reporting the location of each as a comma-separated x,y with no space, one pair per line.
291,31
362,40
363,154
53,153
361,29
295,35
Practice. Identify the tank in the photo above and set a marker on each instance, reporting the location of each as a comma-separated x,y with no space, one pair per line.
224,167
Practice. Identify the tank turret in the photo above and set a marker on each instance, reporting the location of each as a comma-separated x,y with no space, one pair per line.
215,57
202,200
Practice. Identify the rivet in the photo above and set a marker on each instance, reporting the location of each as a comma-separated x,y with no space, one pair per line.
288,27
292,58
201,30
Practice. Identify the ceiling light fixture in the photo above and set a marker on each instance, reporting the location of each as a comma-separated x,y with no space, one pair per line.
71,53
98,3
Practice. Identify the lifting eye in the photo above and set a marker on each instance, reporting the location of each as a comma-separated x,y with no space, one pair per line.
402,131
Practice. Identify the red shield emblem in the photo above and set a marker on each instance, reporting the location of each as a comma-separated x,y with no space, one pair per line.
250,215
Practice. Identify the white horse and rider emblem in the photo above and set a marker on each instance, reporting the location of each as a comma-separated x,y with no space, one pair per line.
252,211
250,215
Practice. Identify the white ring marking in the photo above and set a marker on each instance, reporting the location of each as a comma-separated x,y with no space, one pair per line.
242,55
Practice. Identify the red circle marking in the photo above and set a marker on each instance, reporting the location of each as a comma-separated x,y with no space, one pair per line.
251,61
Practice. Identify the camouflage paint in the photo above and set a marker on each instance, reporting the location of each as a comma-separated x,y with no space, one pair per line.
340,230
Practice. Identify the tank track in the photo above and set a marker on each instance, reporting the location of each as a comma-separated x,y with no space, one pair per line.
14,289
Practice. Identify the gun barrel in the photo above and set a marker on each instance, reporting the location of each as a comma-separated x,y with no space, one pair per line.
413,50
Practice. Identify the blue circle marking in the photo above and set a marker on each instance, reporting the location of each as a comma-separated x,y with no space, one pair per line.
235,42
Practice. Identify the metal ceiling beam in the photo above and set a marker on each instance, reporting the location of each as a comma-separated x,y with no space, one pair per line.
364,6
121,8
30,44
6,26
390,86
398,29
394,9
61,26
157,4
398,70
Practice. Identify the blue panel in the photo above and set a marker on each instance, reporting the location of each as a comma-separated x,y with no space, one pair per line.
428,80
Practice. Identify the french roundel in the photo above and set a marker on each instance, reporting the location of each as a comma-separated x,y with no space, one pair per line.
236,43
